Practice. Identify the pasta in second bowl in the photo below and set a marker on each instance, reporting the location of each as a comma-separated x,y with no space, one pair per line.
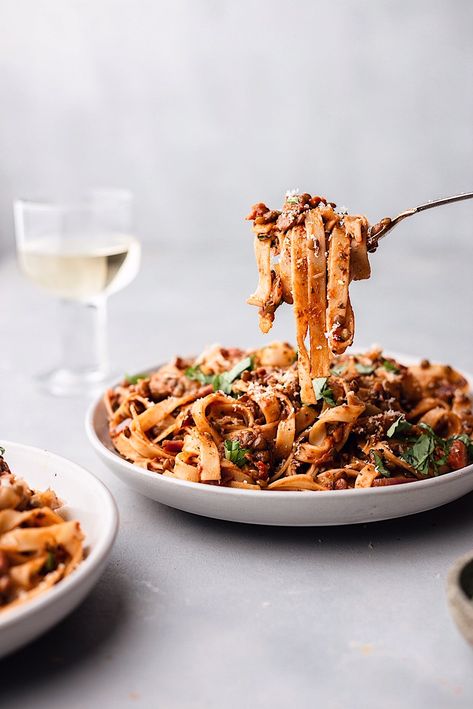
227,435
84,498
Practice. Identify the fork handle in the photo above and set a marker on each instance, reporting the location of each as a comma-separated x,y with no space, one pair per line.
379,231
444,200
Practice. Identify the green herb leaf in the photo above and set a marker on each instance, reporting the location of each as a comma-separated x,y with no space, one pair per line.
419,455
2,451
50,563
223,382
195,374
235,453
338,369
135,378
379,464
322,391
390,366
431,451
219,383
399,426
364,368
429,430
294,199
438,462
239,368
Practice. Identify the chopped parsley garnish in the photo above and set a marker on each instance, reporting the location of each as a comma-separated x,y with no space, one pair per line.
2,450
428,450
429,430
235,454
379,464
364,368
135,378
195,374
420,454
220,382
338,369
322,391
390,366
239,368
399,426
50,563
223,382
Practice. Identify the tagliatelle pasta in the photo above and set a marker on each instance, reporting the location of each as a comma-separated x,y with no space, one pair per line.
239,419
38,547
306,255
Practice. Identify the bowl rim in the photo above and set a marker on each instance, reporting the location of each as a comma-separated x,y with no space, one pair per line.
114,458
96,556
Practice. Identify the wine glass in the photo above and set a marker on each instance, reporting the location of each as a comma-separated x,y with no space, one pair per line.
81,253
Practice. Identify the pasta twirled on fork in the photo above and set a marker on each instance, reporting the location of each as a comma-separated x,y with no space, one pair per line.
306,255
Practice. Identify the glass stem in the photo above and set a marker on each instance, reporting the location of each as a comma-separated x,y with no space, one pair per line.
84,337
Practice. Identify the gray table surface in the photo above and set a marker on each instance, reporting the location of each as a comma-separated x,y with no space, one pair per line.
195,613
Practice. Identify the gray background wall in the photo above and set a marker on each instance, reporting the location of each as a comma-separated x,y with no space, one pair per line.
203,107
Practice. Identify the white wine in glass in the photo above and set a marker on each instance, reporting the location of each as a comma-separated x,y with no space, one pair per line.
80,253
81,270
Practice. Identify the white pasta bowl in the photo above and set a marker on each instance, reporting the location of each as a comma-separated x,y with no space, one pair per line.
86,499
282,508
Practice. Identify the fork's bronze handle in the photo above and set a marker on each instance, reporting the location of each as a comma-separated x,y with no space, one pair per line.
378,231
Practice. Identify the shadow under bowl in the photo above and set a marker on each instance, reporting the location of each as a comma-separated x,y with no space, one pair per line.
460,595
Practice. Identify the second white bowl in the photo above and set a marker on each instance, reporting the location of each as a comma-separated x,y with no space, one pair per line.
85,499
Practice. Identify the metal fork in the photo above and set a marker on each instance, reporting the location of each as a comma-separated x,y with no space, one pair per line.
378,231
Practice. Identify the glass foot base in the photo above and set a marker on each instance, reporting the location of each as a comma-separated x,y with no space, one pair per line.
65,382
